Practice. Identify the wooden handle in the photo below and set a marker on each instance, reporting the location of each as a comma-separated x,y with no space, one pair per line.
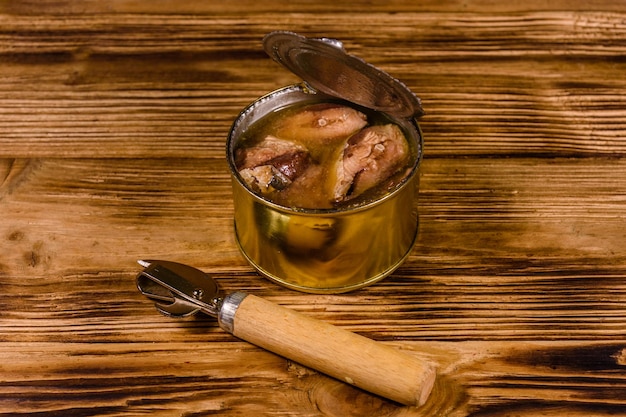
349,357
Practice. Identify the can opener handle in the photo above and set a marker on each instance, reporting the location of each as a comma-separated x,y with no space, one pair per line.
180,290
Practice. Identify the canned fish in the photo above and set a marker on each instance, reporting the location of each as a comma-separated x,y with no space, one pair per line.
325,173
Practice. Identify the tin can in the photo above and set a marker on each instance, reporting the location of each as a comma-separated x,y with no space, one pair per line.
328,250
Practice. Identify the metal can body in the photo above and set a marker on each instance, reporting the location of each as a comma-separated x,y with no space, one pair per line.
323,250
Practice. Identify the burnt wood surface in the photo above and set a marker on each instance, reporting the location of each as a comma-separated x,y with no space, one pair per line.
113,121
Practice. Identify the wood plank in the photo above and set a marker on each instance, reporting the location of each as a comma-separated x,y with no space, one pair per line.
64,7
507,250
506,85
165,378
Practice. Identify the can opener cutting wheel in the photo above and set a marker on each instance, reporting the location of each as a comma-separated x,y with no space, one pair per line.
180,290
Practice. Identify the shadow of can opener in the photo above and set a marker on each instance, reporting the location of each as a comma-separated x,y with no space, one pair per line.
181,290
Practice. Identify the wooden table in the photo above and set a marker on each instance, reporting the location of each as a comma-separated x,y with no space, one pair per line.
113,119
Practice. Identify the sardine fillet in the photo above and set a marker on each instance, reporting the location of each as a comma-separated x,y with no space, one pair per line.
369,158
272,164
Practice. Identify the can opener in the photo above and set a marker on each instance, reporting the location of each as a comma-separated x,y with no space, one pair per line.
180,290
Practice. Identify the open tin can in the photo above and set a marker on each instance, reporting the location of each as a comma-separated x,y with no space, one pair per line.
352,244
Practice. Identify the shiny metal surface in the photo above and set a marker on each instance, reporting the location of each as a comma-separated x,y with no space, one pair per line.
323,250
178,290
326,66
226,315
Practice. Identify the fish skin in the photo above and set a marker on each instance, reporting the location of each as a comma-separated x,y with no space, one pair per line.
269,148
272,164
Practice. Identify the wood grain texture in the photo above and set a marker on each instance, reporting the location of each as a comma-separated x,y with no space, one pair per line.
113,119
117,80
346,356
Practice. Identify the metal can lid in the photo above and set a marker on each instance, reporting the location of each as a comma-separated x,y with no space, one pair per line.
326,66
